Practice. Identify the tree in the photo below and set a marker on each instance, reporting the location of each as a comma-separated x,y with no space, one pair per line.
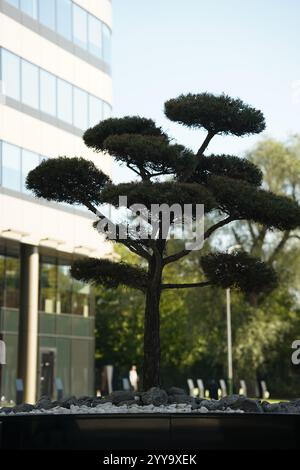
226,185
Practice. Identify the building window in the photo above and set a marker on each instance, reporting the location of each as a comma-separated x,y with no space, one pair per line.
48,284
95,36
2,278
10,74
64,18
15,3
79,27
95,111
64,288
12,282
11,167
29,7
30,84
47,13
80,109
30,160
9,277
47,93
64,101
106,43
44,91
81,298
106,111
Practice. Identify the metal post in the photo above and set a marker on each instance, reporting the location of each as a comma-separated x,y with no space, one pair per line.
229,343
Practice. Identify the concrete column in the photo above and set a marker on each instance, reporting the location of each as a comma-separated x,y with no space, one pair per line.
28,325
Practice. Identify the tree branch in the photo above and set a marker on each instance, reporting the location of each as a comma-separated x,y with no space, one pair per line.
215,227
279,247
186,286
203,147
181,254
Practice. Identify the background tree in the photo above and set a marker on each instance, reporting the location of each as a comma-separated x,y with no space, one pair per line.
226,185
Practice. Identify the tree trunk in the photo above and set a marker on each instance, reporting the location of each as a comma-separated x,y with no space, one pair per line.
151,369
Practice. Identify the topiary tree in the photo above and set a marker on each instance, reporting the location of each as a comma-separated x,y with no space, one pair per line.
226,185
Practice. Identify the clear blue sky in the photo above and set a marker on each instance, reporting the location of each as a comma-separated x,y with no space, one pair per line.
245,48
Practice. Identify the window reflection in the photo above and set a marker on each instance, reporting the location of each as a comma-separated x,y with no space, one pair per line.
15,3
64,291
106,44
30,160
80,26
11,74
11,167
80,109
47,13
9,277
64,18
30,84
29,7
48,285
95,36
64,101
47,93
72,22
95,111
44,91
60,293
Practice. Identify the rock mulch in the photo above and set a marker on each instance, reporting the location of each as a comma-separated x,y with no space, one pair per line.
155,400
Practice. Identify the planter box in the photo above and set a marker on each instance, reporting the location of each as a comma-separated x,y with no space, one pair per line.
144,431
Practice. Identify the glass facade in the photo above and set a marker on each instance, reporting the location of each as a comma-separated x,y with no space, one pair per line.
9,276
15,164
41,90
61,294
71,22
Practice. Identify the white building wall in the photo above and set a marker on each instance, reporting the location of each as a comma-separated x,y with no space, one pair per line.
29,220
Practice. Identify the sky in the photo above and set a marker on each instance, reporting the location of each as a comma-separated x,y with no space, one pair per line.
244,48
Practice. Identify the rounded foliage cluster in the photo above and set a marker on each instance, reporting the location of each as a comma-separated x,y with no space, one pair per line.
217,114
239,270
109,273
241,200
95,136
69,180
148,193
226,165
147,155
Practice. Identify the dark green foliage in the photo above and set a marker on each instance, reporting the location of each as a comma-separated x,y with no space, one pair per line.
95,136
148,193
146,154
70,180
240,200
217,114
226,165
240,271
109,273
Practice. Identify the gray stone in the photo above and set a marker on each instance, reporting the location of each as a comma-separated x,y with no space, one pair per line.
247,405
180,399
155,396
121,395
127,403
226,402
44,403
176,391
67,402
6,409
23,408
